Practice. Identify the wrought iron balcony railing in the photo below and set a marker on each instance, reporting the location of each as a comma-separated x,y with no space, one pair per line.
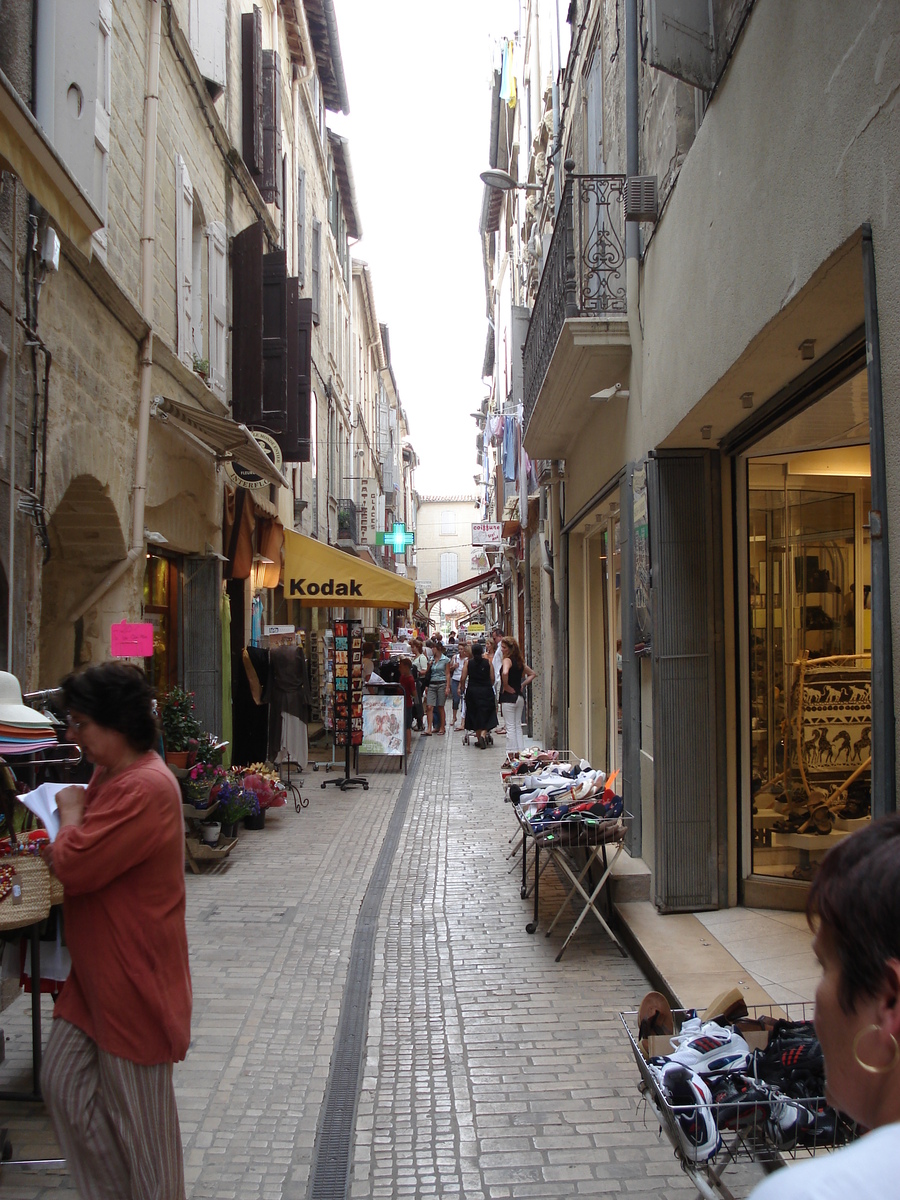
347,522
584,272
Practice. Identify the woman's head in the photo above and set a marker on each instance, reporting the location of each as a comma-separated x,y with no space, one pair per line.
478,650
113,696
854,909
511,651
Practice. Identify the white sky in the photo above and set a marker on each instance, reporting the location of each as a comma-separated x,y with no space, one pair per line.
418,77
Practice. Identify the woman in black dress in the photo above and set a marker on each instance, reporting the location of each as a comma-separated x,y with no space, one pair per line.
478,681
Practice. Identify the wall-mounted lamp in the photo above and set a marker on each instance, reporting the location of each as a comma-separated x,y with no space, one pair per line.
152,535
209,552
611,393
259,572
504,182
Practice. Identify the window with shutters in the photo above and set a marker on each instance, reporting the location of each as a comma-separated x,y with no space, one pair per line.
448,523
102,116
188,267
316,269
269,180
449,569
252,91
217,310
301,227
67,43
206,21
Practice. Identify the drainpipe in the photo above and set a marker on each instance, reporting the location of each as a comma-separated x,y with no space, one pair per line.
139,492
632,231
13,334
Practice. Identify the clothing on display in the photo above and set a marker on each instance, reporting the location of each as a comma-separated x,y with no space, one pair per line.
289,699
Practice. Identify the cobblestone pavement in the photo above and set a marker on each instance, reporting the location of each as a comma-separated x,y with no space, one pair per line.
491,1070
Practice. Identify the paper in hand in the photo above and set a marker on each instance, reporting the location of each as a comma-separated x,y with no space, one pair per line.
42,802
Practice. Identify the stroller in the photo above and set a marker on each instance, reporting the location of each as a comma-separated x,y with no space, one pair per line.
468,735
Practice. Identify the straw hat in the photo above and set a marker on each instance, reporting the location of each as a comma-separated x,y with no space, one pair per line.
16,717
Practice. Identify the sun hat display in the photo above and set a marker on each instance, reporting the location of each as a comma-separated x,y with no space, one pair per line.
22,729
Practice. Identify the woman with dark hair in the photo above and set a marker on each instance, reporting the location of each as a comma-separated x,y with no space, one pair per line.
854,912
477,681
515,674
124,1015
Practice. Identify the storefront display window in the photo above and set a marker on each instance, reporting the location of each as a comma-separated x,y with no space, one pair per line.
810,652
161,610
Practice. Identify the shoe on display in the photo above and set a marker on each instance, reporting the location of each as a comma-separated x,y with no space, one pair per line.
740,1102
655,1017
711,1049
788,1119
691,1100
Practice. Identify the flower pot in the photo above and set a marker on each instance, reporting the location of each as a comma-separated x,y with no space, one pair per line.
209,832
257,822
177,758
229,831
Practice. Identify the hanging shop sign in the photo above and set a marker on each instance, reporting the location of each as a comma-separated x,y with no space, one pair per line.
486,533
368,512
398,539
131,639
240,476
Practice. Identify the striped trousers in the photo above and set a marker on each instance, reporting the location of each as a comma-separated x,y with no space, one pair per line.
116,1120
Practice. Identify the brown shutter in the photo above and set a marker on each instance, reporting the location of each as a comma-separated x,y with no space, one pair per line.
247,325
274,341
271,127
316,269
252,90
295,442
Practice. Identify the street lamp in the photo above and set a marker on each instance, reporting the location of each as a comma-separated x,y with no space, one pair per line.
504,182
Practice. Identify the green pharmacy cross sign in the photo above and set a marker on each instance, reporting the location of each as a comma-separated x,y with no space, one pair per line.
398,540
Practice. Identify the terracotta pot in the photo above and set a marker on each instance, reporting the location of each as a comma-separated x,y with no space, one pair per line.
177,758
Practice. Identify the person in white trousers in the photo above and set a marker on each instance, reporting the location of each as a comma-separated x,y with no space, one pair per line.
497,661
515,676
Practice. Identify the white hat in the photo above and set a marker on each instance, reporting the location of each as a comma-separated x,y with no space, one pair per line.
16,717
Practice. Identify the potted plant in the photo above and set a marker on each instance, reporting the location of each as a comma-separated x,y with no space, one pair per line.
179,725
234,802
201,779
266,786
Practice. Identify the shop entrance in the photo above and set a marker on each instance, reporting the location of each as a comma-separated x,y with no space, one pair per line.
808,634
603,558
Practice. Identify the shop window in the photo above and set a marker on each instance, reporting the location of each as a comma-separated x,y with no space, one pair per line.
161,611
810,644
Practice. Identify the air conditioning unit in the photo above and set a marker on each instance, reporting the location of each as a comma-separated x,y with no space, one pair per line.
641,198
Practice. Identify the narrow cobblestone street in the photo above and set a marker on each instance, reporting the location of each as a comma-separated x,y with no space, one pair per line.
490,1069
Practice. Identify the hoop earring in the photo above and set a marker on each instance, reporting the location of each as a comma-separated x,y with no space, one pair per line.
868,1066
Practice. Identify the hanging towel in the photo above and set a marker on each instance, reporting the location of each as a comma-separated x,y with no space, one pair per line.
509,449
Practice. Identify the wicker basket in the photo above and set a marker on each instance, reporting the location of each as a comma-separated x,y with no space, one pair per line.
56,890
34,906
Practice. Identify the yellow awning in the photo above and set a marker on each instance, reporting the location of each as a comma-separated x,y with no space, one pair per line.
25,151
318,576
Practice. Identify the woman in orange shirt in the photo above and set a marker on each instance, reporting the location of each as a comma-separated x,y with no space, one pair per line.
124,1015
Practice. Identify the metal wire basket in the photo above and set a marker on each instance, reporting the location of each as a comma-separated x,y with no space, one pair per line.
745,1129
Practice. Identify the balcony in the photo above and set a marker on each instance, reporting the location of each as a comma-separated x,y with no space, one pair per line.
347,523
577,341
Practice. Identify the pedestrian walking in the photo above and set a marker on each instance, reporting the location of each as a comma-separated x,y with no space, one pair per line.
409,692
123,1017
437,692
497,661
481,709
419,668
515,676
457,662
854,910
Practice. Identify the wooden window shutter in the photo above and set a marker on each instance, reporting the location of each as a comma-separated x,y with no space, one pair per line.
184,259
271,128
247,325
301,227
316,269
218,309
252,90
295,444
275,339
67,47
207,20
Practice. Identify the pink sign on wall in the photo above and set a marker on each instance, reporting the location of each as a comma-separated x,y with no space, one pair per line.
131,639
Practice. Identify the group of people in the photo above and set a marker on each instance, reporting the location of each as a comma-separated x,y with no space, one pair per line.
124,1014
476,684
